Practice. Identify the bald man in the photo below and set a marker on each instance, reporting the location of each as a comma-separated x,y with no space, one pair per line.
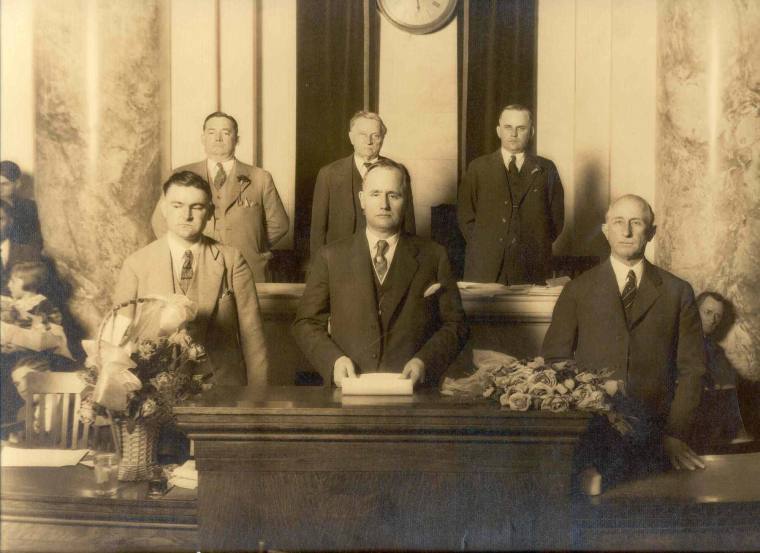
642,323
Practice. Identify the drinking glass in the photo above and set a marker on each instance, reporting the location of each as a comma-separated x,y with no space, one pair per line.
106,472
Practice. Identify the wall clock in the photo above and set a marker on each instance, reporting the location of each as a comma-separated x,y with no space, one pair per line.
418,16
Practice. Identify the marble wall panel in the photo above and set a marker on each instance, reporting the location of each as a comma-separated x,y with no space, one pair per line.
97,138
708,164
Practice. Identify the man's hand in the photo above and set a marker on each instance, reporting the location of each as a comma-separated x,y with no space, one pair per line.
343,368
414,370
681,455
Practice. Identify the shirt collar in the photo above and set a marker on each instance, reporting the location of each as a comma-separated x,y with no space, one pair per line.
372,239
519,157
621,271
228,166
360,161
177,248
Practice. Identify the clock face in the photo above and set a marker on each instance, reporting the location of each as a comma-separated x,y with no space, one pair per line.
418,16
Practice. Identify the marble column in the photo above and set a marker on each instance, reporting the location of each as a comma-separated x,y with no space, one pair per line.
708,165
98,71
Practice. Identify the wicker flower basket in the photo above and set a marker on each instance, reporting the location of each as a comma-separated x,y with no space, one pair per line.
138,451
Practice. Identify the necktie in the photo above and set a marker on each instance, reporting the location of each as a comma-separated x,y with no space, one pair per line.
220,177
512,168
187,271
379,261
629,293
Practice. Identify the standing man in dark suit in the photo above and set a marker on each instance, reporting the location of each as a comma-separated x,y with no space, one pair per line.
642,323
248,212
335,211
390,298
510,208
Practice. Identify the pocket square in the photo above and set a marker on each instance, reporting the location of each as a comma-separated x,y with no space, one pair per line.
432,289
535,170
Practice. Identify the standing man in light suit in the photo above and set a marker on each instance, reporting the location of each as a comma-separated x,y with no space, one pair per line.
214,276
248,212
390,298
510,207
335,211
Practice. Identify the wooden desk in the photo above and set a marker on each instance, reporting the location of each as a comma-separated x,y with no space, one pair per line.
55,510
296,468
514,324
717,508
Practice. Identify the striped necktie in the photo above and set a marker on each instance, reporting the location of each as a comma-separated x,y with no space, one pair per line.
512,169
186,276
379,261
629,293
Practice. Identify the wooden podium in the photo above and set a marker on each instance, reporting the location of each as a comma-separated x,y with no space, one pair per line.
299,468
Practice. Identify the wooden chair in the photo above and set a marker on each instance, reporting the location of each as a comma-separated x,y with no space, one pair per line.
57,398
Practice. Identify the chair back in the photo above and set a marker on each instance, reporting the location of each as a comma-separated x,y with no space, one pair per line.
51,414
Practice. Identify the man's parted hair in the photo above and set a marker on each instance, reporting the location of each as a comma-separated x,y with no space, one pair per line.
634,197
221,114
516,107
389,164
10,170
361,114
190,180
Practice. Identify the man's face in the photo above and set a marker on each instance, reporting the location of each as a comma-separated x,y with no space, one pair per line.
628,228
186,210
515,130
7,188
382,199
219,139
711,313
366,138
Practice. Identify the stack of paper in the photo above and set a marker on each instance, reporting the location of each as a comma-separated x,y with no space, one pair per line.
185,476
23,457
378,384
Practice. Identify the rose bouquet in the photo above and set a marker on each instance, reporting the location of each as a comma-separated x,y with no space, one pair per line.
155,365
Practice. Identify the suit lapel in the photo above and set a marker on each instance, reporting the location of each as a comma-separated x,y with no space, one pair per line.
363,281
210,274
161,276
232,184
647,293
529,172
402,270
609,293
347,182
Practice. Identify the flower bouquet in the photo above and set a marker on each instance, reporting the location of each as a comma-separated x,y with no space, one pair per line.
136,383
523,385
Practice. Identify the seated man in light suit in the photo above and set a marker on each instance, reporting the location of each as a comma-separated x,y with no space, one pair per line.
642,323
335,209
248,212
391,300
214,276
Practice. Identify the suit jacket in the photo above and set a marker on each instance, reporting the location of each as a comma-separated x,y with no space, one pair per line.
26,223
340,287
254,218
334,211
659,354
228,323
496,227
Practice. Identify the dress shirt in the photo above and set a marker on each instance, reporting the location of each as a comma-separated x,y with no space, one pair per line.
5,250
621,272
177,250
360,161
372,239
519,158
228,166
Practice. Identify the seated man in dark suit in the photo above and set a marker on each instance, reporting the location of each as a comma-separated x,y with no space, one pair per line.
390,298
642,323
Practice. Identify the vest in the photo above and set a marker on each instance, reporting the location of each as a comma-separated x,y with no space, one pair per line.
383,317
516,187
192,294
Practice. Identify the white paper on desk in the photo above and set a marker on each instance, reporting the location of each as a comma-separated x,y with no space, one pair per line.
378,384
23,457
